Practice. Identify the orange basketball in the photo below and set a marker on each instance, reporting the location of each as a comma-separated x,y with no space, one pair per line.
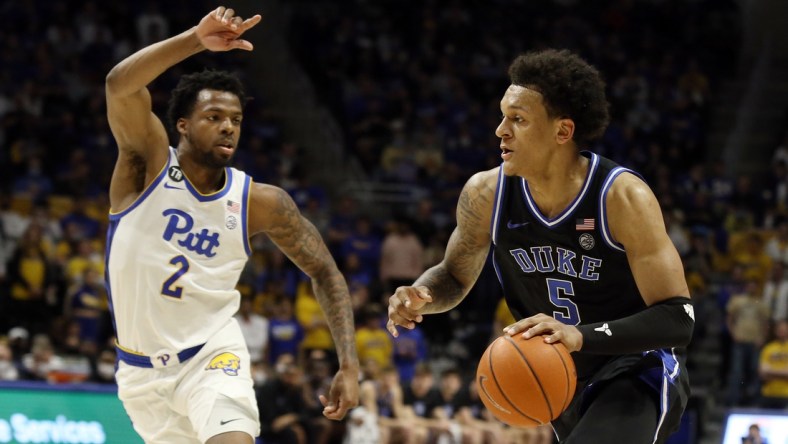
526,382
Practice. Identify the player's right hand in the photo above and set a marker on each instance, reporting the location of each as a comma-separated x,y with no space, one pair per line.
405,307
221,30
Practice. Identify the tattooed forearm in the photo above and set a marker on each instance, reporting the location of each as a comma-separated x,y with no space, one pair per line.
302,243
446,291
467,249
332,294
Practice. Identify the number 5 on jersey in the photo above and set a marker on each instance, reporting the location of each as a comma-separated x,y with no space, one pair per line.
559,290
168,288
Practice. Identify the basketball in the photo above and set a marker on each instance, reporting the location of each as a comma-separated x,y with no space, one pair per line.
526,382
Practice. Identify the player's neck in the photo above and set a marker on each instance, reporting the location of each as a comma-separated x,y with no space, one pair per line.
205,179
558,183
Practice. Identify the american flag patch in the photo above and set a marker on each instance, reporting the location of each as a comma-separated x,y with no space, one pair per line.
233,207
584,224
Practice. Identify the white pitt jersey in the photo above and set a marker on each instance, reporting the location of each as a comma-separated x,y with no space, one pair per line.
173,260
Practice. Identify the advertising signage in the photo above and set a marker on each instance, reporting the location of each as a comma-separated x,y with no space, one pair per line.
79,414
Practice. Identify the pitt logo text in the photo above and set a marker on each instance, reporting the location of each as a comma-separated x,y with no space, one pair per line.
201,242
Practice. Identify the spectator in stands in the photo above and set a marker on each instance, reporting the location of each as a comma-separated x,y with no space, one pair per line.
775,292
78,222
365,243
31,278
454,403
476,415
401,255
754,436
285,333
410,350
753,259
777,245
87,306
317,335
254,328
8,369
372,340
773,369
42,361
395,421
748,321
284,415
104,371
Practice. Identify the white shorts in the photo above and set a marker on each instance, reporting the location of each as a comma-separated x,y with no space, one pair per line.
209,394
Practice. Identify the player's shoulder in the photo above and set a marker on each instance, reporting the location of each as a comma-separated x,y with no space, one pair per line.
483,182
629,189
263,193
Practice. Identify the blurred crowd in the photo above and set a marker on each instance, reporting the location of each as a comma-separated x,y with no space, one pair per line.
416,90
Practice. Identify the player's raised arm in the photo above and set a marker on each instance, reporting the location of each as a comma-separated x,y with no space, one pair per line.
274,213
443,286
141,137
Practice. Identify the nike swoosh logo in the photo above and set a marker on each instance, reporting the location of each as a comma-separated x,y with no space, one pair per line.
167,185
229,420
511,225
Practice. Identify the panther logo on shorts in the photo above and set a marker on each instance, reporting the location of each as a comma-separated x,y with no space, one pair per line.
226,362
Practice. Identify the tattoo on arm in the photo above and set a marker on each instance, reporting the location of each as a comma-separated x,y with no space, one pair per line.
466,252
302,243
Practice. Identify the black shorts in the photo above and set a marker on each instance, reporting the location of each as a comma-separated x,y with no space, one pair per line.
631,399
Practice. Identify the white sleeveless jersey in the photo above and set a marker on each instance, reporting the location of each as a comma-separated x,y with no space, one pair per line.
173,260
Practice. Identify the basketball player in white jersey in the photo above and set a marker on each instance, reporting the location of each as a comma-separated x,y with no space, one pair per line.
179,233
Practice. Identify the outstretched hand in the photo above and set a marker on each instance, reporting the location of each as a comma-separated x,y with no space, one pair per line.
221,30
404,307
342,396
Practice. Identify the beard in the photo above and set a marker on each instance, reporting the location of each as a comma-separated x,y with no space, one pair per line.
210,159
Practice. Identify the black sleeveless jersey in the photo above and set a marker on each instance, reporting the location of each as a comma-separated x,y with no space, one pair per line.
567,266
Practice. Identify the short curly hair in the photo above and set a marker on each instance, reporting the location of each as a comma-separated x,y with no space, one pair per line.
570,88
184,96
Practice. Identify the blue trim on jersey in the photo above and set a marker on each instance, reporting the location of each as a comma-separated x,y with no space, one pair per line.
111,229
564,215
228,182
661,379
245,215
146,362
144,194
604,228
499,193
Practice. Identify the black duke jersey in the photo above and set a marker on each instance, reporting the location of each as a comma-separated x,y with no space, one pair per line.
568,266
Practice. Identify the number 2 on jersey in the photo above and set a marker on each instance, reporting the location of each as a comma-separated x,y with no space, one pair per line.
568,313
168,288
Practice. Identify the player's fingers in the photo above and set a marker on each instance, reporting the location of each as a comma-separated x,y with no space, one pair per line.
402,321
236,22
251,22
246,45
553,338
219,13
228,16
538,329
424,293
392,328
519,326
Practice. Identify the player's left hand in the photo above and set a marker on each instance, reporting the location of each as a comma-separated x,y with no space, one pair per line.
342,396
221,30
552,330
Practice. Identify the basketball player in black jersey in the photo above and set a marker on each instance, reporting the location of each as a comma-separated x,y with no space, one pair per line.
582,254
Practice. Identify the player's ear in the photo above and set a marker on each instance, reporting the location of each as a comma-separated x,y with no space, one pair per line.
181,125
565,129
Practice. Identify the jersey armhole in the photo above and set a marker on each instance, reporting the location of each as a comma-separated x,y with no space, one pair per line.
604,227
